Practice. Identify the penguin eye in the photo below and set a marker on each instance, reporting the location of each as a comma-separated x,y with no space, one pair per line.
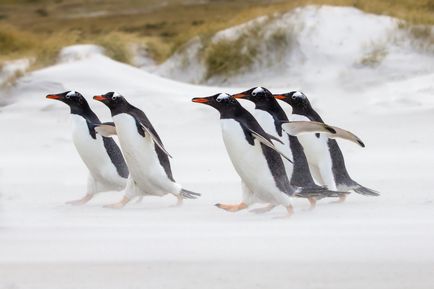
218,99
254,93
114,97
293,97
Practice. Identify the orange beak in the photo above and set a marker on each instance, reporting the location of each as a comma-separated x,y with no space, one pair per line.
279,96
240,95
199,100
99,97
53,96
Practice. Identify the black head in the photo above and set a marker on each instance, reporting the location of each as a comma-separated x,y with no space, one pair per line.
258,95
113,100
296,99
225,103
73,99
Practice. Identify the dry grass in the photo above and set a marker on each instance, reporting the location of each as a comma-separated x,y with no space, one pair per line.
228,57
39,28
374,56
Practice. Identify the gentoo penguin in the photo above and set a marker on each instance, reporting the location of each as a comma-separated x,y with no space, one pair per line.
257,161
271,117
324,156
103,158
147,159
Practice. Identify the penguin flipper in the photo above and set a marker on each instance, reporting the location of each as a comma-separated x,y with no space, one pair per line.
347,135
106,129
268,143
301,127
155,140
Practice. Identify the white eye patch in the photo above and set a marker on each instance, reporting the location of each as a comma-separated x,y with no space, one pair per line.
223,96
257,90
298,94
115,94
71,93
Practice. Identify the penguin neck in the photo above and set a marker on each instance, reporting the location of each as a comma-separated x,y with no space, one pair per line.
276,112
273,108
86,112
308,112
234,111
124,108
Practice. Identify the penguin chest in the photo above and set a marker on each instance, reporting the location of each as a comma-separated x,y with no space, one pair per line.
266,121
248,160
91,150
315,148
141,156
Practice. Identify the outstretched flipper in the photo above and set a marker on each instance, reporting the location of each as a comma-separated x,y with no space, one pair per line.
344,134
155,139
302,127
106,129
268,143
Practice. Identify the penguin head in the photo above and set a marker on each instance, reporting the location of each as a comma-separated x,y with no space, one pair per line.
259,95
112,100
74,99
221,101
296,99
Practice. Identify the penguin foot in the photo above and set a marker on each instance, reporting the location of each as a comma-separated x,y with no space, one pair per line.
232,208
340,200
312,202
290,211
81,201
179,202
263,210
139,199
118,205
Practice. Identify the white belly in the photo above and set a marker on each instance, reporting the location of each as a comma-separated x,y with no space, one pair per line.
267,123
316,149
94,155
142,159
249,162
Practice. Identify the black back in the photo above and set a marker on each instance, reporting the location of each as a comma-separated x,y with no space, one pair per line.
79,106
230,108
301,106
121,105
264,100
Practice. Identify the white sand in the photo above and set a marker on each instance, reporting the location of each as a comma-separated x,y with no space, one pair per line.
384,242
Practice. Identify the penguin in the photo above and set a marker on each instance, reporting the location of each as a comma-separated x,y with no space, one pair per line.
324,156
147,159
255,158
108,170
272,118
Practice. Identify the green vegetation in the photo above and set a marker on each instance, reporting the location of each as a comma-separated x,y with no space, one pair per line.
39,28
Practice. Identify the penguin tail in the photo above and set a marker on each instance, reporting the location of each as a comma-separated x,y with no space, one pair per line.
318,192
364,190
186,194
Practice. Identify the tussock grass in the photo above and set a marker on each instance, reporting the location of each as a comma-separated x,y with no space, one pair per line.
375,56
228,57
40,28
422,36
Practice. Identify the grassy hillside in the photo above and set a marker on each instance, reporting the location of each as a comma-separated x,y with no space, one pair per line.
39,28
